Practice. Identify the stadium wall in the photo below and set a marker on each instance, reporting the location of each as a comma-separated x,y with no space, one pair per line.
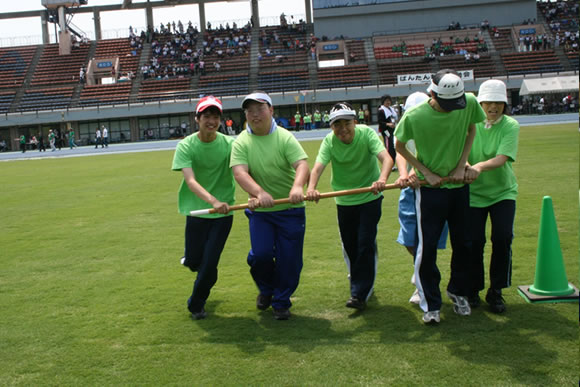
417,16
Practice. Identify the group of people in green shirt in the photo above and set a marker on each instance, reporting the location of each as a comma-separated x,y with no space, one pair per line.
269,164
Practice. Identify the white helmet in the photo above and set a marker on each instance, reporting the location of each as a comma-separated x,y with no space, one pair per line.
492,90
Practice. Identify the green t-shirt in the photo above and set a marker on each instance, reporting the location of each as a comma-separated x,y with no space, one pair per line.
307,119
361,115
354,165
439,137
210,164
269,159
22,139
326,117
317,117
297,118
500,183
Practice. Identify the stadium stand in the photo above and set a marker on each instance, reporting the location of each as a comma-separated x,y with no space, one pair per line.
356,51
223,84
288,47
6,99
128,56
347,76
164,89
388,71
55,69
105,94
14,63
531,62
483,68
48,99
279,81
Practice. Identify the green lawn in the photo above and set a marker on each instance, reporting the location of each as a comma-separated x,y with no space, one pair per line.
92,293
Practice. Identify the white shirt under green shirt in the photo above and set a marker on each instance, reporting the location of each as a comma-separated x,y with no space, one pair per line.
210,164
354,165
500,183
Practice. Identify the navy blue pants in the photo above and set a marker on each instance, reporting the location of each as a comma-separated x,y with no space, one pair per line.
358,232
204,242
502,216
275,258
435,206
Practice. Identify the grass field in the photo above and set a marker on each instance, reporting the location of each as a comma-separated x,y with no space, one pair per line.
92,293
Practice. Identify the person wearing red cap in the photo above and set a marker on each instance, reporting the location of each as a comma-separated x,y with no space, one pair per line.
269,163
443,129
208,181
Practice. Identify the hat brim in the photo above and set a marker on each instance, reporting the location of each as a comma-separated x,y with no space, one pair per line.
452,104
342,117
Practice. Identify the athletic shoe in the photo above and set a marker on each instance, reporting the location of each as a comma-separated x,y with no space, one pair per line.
355,303
474,300
431,317
415,298
199,315
263,302
282,314
182,260
495,300
460,304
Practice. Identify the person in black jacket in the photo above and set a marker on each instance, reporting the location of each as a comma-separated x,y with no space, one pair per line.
387,121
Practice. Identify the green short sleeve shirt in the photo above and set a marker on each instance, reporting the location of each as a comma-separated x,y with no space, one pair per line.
498,184
439,137
354,165
269,159
210,164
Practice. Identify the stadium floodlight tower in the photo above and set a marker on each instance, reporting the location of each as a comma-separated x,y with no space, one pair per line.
65,40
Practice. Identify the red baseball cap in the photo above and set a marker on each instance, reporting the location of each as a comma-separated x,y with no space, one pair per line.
206,102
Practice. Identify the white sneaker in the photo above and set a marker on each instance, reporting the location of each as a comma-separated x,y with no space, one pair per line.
431,317
415,298
182,261
460,304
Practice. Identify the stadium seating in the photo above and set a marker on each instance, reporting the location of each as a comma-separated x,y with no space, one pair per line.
223,84
347,76
46,99
164,89
55,69
119,48
484,68
388,71
504,40
6,99
105,94
280,80
14,63
356,49
531,62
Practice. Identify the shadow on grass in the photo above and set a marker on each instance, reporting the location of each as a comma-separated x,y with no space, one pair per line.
251,335
522,342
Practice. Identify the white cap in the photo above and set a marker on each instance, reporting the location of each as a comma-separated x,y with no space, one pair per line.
341,112
415,99
258,97
449,90
492,90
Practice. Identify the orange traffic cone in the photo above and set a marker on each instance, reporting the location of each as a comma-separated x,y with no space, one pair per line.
550,283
